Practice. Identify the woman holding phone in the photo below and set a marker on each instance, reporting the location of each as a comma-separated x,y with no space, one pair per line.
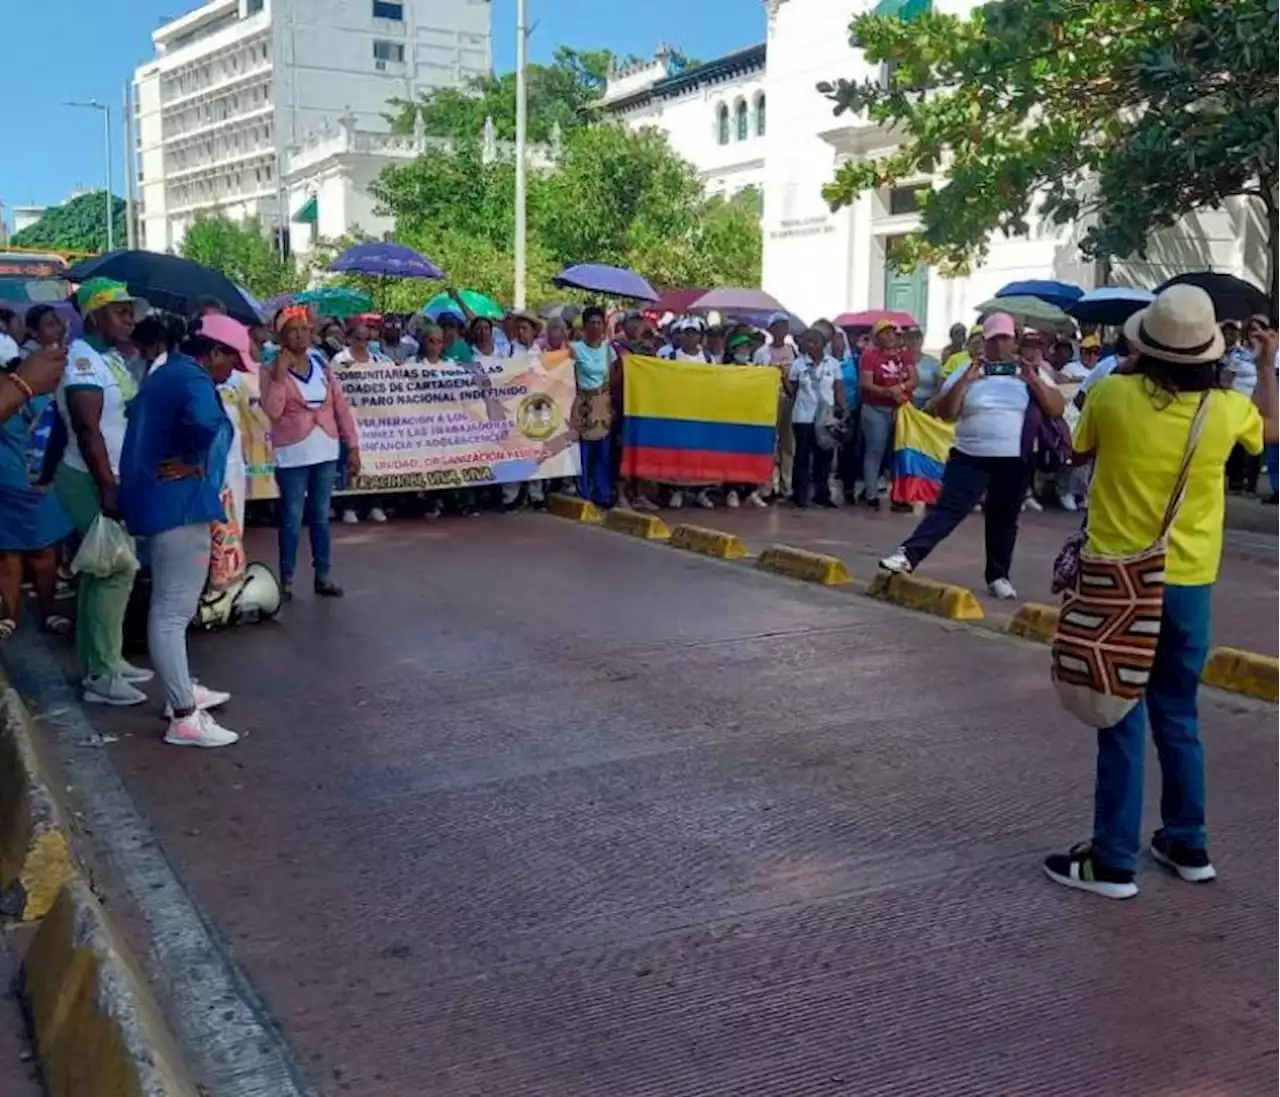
987,401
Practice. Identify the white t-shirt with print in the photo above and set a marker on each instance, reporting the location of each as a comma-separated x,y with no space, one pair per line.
673,353
87,368
317,447
991,416
814,384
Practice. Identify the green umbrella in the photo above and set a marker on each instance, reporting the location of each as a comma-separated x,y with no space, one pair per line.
335,301
1030,312
477,302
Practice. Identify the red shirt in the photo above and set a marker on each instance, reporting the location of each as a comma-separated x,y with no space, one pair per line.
887,368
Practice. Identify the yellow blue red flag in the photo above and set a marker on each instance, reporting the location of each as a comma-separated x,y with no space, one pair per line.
921,444
689,423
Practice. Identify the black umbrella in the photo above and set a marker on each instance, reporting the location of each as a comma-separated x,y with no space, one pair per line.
1233,298
167,281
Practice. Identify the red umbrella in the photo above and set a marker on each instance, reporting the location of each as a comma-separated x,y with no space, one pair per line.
676,300
870,317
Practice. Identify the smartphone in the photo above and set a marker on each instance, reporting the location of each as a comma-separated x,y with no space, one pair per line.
1000,369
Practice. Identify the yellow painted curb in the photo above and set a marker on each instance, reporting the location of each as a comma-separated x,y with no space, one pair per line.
573,508
813,567
649,527
1244,672
1034,621
709,542
97,1031
35,847
927,595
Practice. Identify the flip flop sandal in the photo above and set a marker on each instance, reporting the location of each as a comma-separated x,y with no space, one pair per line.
57,624
8,626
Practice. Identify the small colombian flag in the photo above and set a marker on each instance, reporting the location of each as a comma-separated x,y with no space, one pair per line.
921,444
688,423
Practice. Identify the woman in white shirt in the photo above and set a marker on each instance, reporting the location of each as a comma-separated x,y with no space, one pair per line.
813,383
988,402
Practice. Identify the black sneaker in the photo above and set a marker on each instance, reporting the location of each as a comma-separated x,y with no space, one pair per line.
1191,865
327,588
871,504
1079,869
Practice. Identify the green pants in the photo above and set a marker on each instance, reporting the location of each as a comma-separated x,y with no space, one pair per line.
100,603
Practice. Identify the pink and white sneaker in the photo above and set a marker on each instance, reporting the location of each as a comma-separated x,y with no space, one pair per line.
205,700
199,729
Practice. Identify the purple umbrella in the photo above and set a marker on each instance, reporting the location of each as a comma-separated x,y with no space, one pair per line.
734,299
382,260
613,281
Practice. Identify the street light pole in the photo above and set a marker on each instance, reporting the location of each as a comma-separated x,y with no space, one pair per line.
522,35
93,104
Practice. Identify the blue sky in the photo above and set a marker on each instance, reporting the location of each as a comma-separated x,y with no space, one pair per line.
53,148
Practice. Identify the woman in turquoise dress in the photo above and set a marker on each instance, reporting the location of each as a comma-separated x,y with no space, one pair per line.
32,521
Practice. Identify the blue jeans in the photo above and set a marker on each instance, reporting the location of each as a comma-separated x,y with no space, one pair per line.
1170,702
305,495
1271,455
595,481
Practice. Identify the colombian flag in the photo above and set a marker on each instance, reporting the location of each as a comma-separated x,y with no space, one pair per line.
688,423
920,447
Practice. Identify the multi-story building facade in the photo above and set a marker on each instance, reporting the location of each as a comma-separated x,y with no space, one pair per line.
236,82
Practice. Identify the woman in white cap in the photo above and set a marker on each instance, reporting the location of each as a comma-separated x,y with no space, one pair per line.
1136,427
688,334
987,401
780,353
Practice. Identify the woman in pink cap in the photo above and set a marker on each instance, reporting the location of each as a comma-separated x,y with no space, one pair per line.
172,470
987,401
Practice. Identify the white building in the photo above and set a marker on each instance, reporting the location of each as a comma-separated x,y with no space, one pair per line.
822,263
236,81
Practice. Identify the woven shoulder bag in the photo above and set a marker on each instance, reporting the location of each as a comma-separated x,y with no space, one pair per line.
1109,624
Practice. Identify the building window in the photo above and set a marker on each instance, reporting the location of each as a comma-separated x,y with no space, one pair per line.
388,9
760,115
722,125
741,112
252,7
388,51
903,200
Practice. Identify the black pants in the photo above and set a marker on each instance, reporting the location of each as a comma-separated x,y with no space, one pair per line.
1242,470
964,482
811,467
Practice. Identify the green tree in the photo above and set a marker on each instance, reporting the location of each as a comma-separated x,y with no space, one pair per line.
244,252
1122,114
77,225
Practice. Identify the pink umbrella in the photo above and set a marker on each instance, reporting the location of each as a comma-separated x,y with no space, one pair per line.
870,317
733,299
678,301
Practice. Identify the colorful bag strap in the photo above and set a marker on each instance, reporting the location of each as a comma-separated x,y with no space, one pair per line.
1184,471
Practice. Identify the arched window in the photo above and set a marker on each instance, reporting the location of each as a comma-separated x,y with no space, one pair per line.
722,125
741,112
760,115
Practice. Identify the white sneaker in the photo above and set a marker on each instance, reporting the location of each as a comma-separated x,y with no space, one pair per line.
377,514
676,501
350,518
1069,503
647,506
130,673
897,563
199,729
113,689
755,499
205,700
705,501
1032,503
732,501
1002,588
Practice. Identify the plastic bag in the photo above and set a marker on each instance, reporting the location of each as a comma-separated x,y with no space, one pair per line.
226,552
106,550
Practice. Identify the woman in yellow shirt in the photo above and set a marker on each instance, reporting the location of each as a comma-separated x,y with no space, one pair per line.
1135,426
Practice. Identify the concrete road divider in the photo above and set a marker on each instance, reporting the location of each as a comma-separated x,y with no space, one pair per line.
648,527
1034,621
35,847
97,1030
573,508
1244,672
813,567
709,542
928,596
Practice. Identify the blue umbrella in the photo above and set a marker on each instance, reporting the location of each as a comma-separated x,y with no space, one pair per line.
1060,294
1111,305
612,281
384,260
254,303
168,282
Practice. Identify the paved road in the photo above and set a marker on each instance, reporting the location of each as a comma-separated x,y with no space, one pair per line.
18,1071
1244,598
542,810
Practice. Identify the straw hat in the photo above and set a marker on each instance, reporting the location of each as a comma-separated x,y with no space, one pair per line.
1179,326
